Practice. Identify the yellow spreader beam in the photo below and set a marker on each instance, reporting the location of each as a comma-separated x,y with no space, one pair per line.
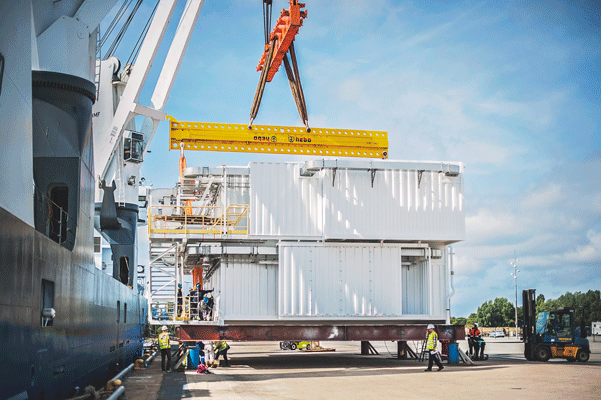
208,136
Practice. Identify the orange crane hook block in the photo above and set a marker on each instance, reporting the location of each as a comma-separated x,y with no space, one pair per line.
277,46
283,34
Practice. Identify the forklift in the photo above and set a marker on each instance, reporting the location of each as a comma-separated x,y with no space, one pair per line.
554,334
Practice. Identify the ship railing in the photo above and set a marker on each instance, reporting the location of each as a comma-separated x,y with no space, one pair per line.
163,307
203,220
56,222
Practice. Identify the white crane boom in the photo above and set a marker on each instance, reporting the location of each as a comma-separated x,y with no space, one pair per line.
109,163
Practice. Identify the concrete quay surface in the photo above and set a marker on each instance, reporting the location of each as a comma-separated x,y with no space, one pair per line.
260,370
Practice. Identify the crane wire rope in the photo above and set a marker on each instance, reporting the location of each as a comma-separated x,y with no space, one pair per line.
267,5
114,22
121,34
136,50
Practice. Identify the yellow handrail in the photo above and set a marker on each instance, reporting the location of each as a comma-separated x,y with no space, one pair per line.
202,220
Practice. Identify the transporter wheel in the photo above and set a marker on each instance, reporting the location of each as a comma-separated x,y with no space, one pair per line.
542,353
283,345
292,346
582,355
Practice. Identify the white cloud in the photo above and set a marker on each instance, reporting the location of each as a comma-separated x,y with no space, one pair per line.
351,89
536,115
465,263
487,224
544,197
588,253
480,152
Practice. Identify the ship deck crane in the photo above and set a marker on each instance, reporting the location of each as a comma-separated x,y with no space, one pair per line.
119,147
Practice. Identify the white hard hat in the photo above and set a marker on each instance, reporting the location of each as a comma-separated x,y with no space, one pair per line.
430,326
475,324
164,327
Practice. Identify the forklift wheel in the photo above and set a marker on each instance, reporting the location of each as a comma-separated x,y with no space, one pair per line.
582,355
308,347
542,353
292,346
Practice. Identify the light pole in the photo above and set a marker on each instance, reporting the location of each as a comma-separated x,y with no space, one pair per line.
515,283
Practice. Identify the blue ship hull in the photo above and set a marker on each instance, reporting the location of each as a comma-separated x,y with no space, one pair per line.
86,344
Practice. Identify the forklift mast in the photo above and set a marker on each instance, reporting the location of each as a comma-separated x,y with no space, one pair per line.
529,333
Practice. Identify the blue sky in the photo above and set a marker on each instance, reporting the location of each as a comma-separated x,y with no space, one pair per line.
510,88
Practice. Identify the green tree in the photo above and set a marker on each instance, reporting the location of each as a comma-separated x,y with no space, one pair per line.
458,321
472,318
540,300
499,312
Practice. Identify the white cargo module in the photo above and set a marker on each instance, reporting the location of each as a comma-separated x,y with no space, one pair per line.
320,282
325,241
357,200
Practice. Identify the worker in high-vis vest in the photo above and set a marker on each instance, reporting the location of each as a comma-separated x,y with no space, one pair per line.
221,348
433,352
165,349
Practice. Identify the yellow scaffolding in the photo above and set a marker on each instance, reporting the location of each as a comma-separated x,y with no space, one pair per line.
202,220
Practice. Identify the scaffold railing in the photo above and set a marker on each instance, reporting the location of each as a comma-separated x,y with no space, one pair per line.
191,219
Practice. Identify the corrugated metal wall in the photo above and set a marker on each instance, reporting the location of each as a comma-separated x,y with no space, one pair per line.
247,290
415,285
401,205
320,280
284,204
439,278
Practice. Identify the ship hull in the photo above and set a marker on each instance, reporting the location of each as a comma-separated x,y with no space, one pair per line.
98,325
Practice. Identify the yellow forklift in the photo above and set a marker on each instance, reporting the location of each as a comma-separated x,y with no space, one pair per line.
554,334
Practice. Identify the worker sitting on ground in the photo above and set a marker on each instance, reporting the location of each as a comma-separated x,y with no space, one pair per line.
477,342
473,333
222,347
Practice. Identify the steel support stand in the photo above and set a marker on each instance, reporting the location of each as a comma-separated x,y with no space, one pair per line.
367,348
401,350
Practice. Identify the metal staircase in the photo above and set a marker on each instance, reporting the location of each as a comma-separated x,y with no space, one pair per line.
162,283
